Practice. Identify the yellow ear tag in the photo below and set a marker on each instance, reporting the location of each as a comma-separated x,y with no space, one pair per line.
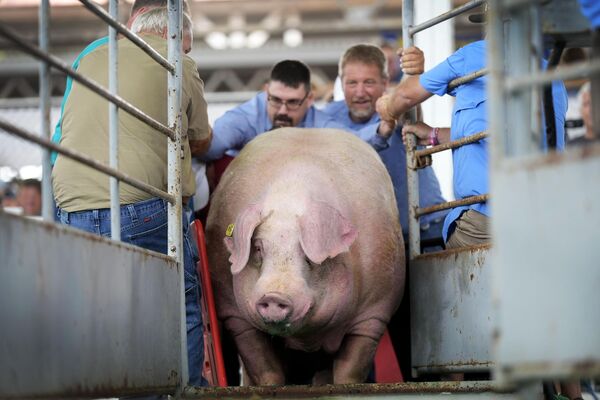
229,231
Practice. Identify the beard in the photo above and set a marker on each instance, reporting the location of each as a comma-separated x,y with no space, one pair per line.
281,121
361,114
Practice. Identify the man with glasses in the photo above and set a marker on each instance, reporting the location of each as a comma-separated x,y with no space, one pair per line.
286,102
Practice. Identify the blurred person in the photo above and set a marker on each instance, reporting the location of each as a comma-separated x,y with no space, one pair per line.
585,103
591,10
8,199
393,58
29,197
83,195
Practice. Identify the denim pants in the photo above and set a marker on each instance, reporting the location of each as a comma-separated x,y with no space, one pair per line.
144,224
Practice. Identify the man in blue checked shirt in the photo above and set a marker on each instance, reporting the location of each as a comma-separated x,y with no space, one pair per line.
364,76
287,101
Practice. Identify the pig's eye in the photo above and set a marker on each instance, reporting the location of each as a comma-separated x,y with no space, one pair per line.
257,254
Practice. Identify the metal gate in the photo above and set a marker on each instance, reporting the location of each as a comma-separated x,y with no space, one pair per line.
86,316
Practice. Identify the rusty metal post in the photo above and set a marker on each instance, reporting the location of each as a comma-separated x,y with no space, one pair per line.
175,153
47,197
113,123
412,174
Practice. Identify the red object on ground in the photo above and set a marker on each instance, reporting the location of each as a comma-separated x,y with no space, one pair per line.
387,368
214,365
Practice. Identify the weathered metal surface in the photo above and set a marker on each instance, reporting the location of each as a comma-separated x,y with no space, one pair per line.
546,264
174,162
408,390
451,311
84,316
554,21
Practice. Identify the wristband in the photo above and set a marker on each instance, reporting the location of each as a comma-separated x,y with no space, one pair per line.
433,137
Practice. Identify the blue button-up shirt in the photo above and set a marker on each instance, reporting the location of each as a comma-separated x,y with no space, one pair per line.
394,158
470,162
238,126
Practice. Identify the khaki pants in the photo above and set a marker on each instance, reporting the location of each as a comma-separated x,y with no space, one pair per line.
472,228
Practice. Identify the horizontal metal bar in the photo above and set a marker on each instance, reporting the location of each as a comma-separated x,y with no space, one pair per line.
445,16
467,78
451,145
577,70
60,65
451,204
122,29
344,391
82,158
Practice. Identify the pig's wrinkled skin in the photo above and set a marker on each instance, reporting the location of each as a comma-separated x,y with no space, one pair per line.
316,255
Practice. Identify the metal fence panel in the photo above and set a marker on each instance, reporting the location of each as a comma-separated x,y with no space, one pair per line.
451,311
82,315
547,265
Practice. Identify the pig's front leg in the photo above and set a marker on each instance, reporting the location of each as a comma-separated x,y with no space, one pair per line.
355,356
260,361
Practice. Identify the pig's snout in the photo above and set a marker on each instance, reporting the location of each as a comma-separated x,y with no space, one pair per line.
274,307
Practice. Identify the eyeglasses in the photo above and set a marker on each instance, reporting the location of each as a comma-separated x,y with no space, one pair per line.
292,104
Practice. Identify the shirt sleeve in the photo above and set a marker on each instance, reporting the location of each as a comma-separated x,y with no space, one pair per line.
197,114
231,131
436,79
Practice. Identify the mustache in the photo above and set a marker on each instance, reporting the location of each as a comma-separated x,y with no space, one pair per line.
282,118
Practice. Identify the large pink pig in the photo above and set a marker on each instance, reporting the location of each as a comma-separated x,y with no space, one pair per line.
305,244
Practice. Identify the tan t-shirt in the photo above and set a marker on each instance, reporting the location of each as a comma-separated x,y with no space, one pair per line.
142,149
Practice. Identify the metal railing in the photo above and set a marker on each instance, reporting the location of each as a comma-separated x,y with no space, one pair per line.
417,158
173,65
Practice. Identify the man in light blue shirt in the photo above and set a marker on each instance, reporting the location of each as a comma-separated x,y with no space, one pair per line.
364,77
286,101
466,225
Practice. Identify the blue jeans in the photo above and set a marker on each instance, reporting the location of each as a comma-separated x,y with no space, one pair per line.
144,224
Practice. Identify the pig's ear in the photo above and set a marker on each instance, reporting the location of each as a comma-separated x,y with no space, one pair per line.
325,232
239,244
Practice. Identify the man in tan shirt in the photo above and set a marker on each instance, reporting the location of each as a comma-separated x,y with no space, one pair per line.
82,194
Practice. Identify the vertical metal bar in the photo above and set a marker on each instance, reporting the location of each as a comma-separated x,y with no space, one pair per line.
595,84
549,114
113,123
522,139
495,87
412,174
44,74
174,165
537,50
496,113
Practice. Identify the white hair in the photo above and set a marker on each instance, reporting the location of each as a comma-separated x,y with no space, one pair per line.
156,21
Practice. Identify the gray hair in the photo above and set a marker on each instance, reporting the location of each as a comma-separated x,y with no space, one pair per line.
366,54
156,21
